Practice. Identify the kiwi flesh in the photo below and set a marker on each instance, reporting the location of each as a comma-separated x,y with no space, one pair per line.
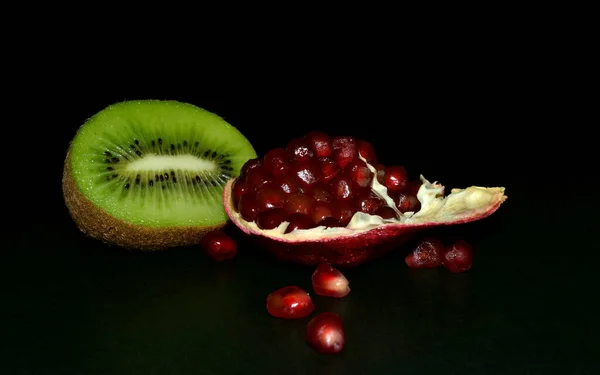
149,174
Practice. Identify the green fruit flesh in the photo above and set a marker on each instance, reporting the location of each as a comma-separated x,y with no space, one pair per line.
158,163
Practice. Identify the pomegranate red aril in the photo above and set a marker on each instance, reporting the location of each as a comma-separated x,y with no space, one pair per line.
329,222
250,165
386,212
320,211
276,162
369,203
269,196
405,202
270,219
329,282
366,150
300,150
298,221
342,187
320,142
458,257
360,174
307,174
290,302
412,187
248,207
345,149
396,178
288,184
257,177
329,168
300,203
240,187
342,211
218,245
427,254
325,333
321,192
380,172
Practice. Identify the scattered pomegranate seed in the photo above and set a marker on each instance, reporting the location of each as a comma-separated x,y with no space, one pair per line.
218,245
329,281
458,257
290,302
325,333
396,178
427,254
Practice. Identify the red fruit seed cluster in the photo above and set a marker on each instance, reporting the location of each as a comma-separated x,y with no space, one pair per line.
319,180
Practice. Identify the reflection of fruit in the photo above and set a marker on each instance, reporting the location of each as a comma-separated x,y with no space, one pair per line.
330,282
329,213
325,333
290,302
427,254
149,174
218,245
458,257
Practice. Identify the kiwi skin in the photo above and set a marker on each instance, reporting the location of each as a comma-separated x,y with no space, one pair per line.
98,224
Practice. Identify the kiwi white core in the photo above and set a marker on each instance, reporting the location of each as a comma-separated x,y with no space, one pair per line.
188,163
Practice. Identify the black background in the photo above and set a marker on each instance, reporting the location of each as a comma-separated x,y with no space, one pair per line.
490,114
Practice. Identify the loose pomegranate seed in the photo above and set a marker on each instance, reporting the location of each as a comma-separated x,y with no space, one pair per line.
360,174
345,149
290,302
329,168
250,165
307,174
218,245
240,187
270,219
458,257
386,212
298,221
325,333
276,162
329,281
341,187
320,142
320,211
427,254
298,203
329,222
269,196
300,150
366,150
248,207
396,178
342,211
405,202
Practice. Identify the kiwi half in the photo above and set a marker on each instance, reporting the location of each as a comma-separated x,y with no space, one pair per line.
149,174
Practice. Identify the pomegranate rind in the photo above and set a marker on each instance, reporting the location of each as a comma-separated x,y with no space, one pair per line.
371,235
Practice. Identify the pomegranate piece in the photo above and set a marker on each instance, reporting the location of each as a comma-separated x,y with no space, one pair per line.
288,184
320,142
320,211
276,162
307,174
341,187
458,257
329,168
240,187
298,203
427,254
342,211
269,196
366,150
300,150
250,165
298,221
360,174
329,281
270,219
218,245
290,302
345,149
405,202
248,207
396,178
325,333
369,203
257,177
321,192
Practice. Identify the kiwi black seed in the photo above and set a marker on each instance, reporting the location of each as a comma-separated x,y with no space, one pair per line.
149,174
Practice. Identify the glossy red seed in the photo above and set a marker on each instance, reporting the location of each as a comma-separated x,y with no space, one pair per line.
386,212
427,254
320,142
320,211
288,184
257,177
325,333
270,219
218,245
329,222
396,178
380,172
298,221
307,174
412,187
458,257
405,202
269,196
329,281
298,203
360,174
321,192
276,161
369,203
248,207
329,168
343,211
342,187
290,302
366,150
240,187
300,150
345,149
249,165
